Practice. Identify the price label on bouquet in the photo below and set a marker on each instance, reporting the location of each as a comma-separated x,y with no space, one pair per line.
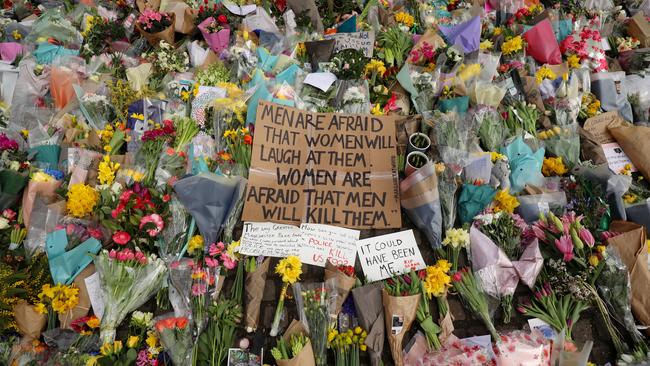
385,256
323,168
322,243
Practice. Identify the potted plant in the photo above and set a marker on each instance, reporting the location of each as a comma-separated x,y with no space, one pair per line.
414,161
419,142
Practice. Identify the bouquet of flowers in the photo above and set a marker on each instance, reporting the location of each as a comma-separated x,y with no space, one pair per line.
289,269
474,297
522,117
153,142
563,142
216,32
166,59
213,344
60,299
128,279
401,298
173,161
294,348
176,337
240,144
347,345
315,304
156,26
256,271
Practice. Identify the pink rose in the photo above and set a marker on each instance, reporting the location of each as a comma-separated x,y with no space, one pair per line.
121,237
154,219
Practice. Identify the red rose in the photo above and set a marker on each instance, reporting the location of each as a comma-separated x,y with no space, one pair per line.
121,237
222,19
248,140
166,198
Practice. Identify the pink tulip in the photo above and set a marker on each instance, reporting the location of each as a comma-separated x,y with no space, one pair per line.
112,254
565,246
539,232
211,262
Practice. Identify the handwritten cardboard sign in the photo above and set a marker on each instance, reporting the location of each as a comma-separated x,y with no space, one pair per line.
323,168
322,243
384,256
269,239
364,41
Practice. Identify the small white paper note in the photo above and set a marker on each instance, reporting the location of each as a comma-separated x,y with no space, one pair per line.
320,80
269,239
616,157
94,287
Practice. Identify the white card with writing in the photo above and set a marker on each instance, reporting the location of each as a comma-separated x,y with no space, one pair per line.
389,255
322,243
269,239
616,157
94,288
364,41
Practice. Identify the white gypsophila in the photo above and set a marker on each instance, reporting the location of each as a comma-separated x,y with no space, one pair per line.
353,95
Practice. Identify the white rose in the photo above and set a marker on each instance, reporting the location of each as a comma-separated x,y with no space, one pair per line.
4,223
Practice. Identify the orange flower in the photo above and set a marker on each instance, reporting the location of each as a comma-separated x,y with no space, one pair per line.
181,322
248,140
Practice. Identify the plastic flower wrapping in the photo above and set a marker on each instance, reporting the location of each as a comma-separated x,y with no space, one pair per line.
312,182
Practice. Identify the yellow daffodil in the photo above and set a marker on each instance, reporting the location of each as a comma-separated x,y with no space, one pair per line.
377,110
405,18
504,201
195,245
133,341
290,269
81,200
544,72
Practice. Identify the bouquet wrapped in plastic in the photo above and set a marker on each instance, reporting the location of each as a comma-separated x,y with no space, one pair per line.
176,337
128,279
316,303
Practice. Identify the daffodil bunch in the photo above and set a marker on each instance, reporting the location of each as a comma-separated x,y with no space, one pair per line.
544,73
289,269
347,345
405,19
504,201
114,353
455,240
82,199
375,68
563,142
589,106
59,299
554,166
107,170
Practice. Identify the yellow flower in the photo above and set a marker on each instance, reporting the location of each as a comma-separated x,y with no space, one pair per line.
486,45
81,200
498,31
117,346
93,323
554,167
494,156
601,248
196,244
232,249
363,347
469,72
405,18
133,341
504,201
16,34
574,61
185,95
456,238
40,308
106,349
300,49
544,72
25,133
375,66
630,198
290,269
107,170
593,260
512,45
40,176
151,341
232,134
377,110
92,361
47,291
437,279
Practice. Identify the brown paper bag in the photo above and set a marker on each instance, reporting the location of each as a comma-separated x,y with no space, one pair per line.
46,190
83,306
590,149
405,127
639,28
30,322
399,314
369,298
633,249
166,35
634,141
254,287
344,284
306,356
185,16
597,126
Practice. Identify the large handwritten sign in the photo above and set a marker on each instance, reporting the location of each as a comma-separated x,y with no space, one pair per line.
384,256
323,168
364,41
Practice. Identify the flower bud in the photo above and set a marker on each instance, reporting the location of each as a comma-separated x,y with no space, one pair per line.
576,240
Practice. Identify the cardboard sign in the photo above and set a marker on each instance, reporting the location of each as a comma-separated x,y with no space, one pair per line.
616,157
323,168
269,239
388,255
364,41
322,243
314,243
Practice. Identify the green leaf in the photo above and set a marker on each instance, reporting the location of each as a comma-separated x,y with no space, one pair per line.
131,355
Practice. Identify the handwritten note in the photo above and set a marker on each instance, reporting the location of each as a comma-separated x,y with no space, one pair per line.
388,255
94,288
269,239
616,157
322,243
320,80
364,41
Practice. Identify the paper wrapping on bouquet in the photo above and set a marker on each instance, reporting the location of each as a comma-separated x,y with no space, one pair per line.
83,306
61,81
343,285
633,249
492,266
474,199
590,149
531,205
634,141
138,76
309,8
399,315
45,190
525,165
458,104
166,35
611,97
530,264
30,323
66,265
542,44
254,292
319,51
520,348
405,128
82,164
46,52
306,356
148,4
210,199
639,28
48,155
369,298
217,41
11,185
185,16
420,198
467,34
9,51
